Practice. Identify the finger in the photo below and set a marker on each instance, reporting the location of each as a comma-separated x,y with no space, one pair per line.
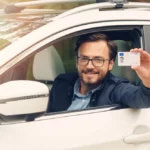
136,50
135,67
143,54
139,50
139,70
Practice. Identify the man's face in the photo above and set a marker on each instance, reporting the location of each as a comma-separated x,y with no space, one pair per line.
91,75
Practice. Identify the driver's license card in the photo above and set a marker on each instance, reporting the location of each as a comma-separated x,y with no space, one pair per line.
128,58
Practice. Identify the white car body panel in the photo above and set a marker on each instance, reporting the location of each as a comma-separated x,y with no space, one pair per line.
24,99
74,131
102,6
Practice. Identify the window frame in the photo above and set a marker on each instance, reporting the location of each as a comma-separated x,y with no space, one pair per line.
68,34
146,37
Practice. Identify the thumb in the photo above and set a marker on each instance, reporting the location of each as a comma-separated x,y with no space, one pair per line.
136,68
140,71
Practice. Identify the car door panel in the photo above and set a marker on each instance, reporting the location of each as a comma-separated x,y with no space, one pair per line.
73,131
140,132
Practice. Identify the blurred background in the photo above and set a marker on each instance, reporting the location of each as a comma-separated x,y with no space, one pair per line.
56,6
52,6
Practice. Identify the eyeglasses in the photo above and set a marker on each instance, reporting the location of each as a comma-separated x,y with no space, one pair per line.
97,62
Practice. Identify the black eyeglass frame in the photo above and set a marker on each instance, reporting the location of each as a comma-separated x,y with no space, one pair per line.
89,59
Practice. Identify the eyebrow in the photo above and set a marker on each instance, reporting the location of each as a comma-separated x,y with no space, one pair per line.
98,57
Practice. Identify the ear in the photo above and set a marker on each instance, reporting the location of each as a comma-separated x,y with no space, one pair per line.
111,64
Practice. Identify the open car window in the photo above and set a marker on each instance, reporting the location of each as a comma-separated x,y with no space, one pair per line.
59,57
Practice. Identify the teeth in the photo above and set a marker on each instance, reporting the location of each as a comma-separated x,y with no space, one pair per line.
90,73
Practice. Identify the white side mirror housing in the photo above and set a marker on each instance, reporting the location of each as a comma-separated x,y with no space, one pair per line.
22,100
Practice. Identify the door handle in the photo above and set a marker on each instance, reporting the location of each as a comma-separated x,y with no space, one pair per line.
138,134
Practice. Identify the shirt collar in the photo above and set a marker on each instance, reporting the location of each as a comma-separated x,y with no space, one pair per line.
77,88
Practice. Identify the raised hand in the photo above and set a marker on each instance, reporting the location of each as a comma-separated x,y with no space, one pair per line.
143,71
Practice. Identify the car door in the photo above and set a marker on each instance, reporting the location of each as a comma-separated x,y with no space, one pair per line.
94,129
99,128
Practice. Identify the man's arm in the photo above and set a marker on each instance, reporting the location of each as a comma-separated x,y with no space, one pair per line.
132,96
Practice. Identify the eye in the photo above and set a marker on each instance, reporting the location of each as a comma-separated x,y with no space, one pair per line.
98,60
84,58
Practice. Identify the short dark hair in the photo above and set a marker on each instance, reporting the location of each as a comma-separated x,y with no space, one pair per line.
97,37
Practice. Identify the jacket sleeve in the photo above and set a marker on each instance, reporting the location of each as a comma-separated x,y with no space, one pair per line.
50,102
60,94
132,96
52,92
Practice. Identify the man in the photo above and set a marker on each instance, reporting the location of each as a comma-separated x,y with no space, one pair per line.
94,85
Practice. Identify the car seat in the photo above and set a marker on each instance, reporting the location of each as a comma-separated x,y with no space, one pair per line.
125,71
47,65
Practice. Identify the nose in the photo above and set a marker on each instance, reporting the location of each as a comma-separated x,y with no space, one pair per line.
90,64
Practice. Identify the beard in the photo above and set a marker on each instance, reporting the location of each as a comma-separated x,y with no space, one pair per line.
91,78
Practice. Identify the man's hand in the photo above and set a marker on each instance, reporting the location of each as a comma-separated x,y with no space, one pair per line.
143,71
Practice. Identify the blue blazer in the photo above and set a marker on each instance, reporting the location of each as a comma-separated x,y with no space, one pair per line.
113,90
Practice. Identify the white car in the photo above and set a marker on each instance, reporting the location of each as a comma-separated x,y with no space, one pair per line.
30,64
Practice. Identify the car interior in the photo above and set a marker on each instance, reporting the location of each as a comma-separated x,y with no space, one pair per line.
42,70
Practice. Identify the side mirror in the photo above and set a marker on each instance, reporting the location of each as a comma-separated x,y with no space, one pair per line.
22,100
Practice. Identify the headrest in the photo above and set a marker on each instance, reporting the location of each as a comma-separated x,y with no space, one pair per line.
47,65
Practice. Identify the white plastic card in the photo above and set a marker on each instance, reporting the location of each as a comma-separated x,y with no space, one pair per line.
128,58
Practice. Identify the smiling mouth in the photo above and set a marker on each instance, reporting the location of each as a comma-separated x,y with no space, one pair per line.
90,73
